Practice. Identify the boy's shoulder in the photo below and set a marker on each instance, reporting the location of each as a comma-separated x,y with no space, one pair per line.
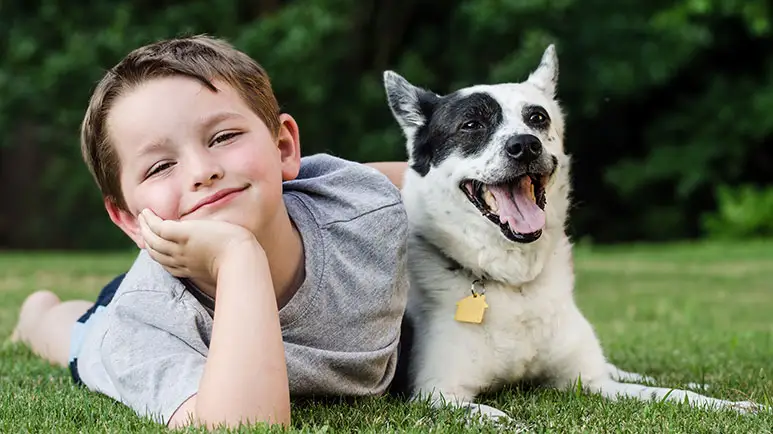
338,190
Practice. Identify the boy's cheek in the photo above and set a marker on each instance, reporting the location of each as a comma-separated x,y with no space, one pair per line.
163,203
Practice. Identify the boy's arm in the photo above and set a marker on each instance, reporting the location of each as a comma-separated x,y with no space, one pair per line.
394,170
245,377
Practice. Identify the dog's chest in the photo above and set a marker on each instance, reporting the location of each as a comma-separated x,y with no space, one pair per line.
517,328
522,315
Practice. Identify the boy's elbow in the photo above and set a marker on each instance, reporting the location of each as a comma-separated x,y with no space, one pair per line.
225,414
228,415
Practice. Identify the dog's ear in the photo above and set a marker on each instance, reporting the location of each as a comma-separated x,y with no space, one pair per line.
545,77
409,104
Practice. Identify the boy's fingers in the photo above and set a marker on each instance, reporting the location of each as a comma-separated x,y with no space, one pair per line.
154,241
153,221
165,260
175,271
167,229
169,263
178,271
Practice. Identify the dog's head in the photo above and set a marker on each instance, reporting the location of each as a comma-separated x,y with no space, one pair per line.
491,151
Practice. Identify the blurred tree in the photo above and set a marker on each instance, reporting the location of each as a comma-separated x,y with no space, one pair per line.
666,101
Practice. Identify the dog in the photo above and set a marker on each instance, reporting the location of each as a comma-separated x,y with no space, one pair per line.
487,193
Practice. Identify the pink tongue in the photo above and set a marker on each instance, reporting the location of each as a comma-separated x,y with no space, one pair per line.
516,207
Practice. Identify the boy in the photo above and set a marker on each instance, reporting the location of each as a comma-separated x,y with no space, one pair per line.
304,257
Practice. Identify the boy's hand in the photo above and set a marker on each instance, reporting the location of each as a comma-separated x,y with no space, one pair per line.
192,248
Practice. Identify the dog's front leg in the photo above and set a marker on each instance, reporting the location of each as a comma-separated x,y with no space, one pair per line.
584,361
622,376
614,390
575,354
450,369
618,374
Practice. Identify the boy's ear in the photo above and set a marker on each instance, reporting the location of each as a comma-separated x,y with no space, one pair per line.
126,221
289,145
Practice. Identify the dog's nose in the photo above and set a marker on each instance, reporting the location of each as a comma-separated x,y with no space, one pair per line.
523,147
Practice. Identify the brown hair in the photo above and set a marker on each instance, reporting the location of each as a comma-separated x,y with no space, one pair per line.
200,57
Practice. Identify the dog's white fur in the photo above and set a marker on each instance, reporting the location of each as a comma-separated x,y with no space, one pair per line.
532,328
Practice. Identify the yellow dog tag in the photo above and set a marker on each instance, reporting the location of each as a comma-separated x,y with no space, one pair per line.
471,308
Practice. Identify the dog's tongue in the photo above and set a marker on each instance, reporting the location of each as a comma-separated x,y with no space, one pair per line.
516,207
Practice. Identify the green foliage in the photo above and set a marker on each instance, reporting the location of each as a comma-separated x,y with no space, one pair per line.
665,99
743,212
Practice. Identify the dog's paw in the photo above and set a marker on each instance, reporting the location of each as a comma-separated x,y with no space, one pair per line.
703,387
483,411
749,407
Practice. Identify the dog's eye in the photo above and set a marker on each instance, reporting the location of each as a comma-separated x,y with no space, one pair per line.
472,125
537,118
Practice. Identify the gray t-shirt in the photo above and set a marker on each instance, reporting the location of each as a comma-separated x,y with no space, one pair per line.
148,347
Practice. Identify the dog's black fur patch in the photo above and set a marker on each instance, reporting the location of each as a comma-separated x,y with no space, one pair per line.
451,123
455,123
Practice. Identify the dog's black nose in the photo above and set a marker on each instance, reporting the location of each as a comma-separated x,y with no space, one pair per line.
523,147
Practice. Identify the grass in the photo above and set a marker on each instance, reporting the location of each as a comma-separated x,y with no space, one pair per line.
681,313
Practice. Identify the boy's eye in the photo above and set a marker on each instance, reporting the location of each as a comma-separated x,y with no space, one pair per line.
224,138
158,168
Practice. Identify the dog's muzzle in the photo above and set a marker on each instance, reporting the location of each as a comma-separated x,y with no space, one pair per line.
516,204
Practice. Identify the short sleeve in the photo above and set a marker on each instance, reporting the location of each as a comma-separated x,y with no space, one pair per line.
346,340
154,352
368,266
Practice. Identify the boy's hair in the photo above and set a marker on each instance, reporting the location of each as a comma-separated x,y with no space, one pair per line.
200,57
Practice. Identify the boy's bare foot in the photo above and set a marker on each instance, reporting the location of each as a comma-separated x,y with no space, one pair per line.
32,311
45,325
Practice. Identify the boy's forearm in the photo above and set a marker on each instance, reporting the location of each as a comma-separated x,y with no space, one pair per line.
245,378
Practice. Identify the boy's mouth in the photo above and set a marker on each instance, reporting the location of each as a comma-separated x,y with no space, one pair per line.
216,198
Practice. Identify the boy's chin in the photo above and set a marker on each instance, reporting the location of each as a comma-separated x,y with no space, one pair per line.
239,217
255,216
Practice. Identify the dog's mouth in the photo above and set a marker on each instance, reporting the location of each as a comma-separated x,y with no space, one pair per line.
517,206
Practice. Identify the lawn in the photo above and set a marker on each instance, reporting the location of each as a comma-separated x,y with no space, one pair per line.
681,313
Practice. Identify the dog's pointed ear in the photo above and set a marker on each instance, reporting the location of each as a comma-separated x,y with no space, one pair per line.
407,102
545,77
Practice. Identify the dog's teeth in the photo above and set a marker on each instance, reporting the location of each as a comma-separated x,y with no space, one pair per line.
533,196
490,201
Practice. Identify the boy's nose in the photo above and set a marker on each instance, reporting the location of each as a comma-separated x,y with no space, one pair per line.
205,171
207,181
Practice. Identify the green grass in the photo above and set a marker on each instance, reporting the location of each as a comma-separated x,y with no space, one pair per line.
681,313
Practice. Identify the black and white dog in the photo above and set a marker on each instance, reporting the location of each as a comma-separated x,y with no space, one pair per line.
487,194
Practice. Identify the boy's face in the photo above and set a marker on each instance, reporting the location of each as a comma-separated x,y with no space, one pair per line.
189,153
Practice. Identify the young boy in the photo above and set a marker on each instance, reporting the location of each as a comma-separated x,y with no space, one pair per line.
262,274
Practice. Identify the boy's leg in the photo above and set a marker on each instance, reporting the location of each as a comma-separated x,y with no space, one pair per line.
46,323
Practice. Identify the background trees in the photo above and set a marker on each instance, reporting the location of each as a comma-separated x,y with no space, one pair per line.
668,102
